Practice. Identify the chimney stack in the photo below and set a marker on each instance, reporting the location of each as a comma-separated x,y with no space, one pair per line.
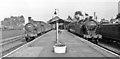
29,18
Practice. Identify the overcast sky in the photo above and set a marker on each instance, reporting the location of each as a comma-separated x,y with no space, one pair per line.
44,9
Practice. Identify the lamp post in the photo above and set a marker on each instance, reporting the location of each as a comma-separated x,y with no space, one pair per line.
57,38
57,25
58,47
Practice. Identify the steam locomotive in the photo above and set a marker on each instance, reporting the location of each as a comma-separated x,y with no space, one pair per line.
85,28
35,28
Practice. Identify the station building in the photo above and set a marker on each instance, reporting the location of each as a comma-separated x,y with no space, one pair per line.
62,23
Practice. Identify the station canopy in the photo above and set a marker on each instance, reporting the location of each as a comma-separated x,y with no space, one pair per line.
57,19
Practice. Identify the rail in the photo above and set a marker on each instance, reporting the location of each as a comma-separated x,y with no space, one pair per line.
9,40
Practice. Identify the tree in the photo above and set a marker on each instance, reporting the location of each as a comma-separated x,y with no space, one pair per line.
22,19
78,13
14,21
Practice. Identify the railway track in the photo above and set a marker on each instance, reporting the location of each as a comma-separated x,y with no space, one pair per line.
8,45
9,40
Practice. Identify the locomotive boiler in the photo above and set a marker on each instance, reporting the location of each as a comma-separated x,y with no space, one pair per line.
86,29
35,28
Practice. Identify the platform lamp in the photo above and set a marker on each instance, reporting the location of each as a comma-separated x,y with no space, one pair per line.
58,47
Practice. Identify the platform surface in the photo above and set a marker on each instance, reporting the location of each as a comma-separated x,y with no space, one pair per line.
76,47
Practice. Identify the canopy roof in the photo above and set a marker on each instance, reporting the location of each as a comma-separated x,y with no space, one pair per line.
57,19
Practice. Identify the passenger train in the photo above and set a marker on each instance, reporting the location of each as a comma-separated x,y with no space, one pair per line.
35,28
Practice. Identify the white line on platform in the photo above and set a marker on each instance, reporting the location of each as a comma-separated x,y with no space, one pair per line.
109,51
103,49
21,47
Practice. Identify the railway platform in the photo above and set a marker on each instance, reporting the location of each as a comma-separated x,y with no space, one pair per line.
76,47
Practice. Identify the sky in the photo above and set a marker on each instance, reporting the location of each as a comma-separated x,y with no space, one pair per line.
42,10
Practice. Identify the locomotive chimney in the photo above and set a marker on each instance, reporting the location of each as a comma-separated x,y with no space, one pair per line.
29,18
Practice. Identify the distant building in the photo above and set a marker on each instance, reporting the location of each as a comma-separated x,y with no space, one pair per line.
119,7
104,21
62,23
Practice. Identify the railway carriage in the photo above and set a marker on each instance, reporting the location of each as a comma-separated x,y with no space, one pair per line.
111,32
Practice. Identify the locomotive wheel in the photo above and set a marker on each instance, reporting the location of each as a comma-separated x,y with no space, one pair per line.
27,39
94,40
32,38
89,39
39,34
